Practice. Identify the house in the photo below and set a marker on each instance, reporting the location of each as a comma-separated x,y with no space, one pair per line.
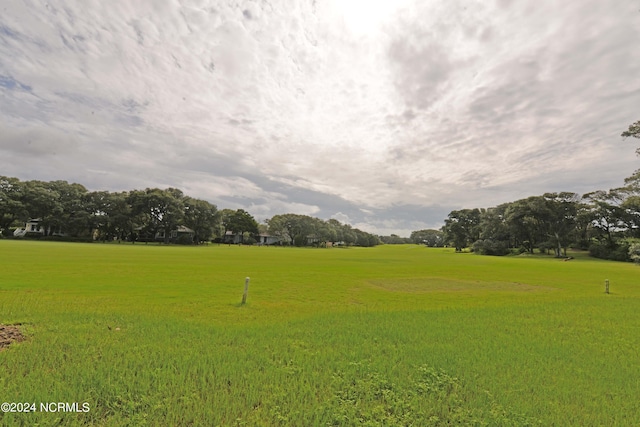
314,240
31,228
262,239
231,237
180,234
267,239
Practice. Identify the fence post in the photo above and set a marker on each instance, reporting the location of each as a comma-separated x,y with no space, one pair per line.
246,290
606,286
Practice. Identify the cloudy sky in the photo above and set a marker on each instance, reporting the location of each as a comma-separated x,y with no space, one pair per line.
385,114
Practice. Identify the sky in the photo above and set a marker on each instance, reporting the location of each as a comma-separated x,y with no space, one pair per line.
385,115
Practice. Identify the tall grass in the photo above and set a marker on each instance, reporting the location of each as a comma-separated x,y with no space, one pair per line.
395,335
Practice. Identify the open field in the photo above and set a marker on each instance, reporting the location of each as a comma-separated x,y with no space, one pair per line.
392,335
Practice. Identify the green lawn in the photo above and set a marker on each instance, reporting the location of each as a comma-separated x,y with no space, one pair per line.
389,336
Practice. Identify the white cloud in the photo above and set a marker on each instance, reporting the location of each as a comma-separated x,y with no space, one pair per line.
343,218
370,104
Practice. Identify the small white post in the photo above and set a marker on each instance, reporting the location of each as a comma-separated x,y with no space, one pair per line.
246,290
606,286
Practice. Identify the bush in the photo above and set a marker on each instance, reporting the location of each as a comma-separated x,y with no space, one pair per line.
64,239
634,252
184,239
545,247
300,241
616,252
491,247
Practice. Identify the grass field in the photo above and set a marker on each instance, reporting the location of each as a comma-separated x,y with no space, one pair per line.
385,336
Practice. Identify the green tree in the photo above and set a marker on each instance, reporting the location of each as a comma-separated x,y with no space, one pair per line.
562,209
337,227
526,220
461,228
202,217
293,228
428,237
634,132
41,202
74,216
394,239
493,224
239,222
157,210
111,215
11,202
605,212
365,239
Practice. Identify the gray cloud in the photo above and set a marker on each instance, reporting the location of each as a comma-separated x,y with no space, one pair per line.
37,141
422,69
389,116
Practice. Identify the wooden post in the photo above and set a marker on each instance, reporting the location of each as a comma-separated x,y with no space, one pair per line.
606,286
246,290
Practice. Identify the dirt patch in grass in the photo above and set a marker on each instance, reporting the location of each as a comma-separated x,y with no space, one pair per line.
9,334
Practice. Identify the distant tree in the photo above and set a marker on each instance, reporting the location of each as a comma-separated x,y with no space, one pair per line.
43,203
111,215
323,232
344,232
562,209
633,131
428,237
584,226
547,221
394,239
157,210
634,252
495,234
330,232
337,227
365,239
493,224
74,217
202,217
461,228
605,212
239,222
527,220
225,218
293,228
12,205
349,235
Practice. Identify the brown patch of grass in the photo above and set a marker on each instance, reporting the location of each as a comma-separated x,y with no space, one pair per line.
10,334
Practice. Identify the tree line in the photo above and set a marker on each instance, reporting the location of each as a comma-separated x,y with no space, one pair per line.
70,210
607,223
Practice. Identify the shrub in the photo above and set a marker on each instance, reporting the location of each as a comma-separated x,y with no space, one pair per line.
184,239
300,240
634,252
616,252
63,239
545,247
491,247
